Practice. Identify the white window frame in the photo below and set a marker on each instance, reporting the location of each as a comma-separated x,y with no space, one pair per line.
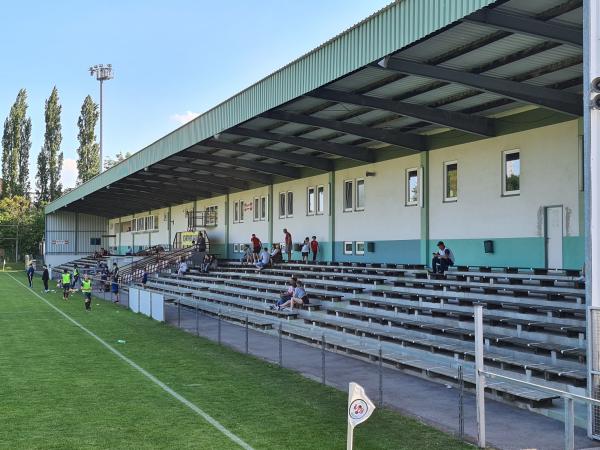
320,205
348,208
255,209
309,190
236,248
407,200
241,216
358,244
446,198
208,211
236,212
264,207
358,207
289,205
348,248
505,192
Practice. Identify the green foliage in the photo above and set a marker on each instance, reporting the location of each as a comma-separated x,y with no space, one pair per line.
512,183
18,215
88,164
109,162
16,144
50,158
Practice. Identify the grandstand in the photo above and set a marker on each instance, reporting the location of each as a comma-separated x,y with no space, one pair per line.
455,121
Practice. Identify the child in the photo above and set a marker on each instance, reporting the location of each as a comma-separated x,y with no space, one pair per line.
45,278
314,247
86,288
30,272
305,250
66,284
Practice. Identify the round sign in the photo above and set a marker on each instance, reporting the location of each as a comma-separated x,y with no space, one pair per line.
358,409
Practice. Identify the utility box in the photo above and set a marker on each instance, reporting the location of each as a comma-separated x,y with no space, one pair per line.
488,246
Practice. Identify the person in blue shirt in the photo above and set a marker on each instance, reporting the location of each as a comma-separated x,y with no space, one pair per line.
145,278
300,297
30,272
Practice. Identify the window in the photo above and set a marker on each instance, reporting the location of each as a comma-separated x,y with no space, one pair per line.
360,248
241,210
210,215
95,241
256,211
511,177
310,201
282,205
156,222
412,187
236,248
263,208
320,199
450,181
360,195
290,204
236,212
348,195
141,224
348,248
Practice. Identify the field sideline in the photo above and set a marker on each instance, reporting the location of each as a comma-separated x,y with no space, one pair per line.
62,388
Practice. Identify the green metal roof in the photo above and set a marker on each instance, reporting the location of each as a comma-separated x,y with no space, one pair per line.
394,27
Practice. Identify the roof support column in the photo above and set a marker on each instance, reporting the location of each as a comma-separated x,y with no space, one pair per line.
424,192
226,255
118,249
132,236
76,246
270,214
169,229
591,140
332,210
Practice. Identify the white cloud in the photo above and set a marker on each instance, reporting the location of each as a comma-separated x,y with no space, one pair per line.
68,174
184,118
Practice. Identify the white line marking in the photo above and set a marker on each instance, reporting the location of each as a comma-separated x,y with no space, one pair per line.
144,372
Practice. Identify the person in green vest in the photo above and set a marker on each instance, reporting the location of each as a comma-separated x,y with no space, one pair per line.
66,284
86,288
75,276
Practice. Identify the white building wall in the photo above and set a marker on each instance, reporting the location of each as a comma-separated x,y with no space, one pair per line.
240,232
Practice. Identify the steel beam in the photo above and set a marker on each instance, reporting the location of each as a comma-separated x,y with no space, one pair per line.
561,101
219,181
407,140
273,169
280,155
229,172
163,190
520,24
471,124
176,185
361,154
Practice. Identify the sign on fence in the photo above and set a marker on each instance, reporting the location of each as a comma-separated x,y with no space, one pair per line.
149,303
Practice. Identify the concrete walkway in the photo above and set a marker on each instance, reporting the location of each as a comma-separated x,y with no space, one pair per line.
507,427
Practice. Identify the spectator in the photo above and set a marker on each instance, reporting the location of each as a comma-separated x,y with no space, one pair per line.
144,278
286,295
45,278
129,251
305,249
298,298
314,248
104,286
442,259
114,285
75,275
287,240
204,267
276,256
264,259
30,271
183,268
247,256
256,245
214,263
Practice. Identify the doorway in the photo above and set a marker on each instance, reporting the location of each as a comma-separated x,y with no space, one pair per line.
554,237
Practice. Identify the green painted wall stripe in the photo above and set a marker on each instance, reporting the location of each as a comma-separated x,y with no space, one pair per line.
386,31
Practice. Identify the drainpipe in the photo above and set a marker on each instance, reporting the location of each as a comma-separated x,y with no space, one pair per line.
227,226
424,184
332,212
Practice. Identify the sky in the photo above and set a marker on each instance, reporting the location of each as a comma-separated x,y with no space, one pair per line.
172,59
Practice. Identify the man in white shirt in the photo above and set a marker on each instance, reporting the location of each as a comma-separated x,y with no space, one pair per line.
442,259
183,268
264,259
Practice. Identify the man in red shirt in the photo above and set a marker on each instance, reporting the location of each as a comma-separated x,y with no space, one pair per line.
314,248
288,243
256,245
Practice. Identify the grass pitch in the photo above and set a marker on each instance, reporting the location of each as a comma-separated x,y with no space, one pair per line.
61,388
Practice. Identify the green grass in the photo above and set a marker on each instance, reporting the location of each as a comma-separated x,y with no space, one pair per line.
60,388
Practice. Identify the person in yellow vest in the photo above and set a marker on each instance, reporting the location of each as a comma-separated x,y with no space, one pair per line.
66,284
86,288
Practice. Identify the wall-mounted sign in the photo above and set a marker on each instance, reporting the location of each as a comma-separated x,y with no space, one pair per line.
248,206
60,242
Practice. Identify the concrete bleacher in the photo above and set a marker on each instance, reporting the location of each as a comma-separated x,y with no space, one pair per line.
534,323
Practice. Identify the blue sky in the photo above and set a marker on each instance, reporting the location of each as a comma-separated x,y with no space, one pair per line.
172,59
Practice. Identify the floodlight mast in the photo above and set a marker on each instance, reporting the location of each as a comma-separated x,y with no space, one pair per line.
102,73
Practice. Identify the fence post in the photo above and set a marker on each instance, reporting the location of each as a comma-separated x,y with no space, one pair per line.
461,403
569,424
323,358
197,319
179,313
219,328
280,346
380,376
246,333
479,376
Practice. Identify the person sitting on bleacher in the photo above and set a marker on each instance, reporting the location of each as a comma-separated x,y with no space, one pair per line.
300,297
287,295
276,256
264,259
247,257
183,268
442,259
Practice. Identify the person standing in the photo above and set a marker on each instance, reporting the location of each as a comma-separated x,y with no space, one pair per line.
75,276
114,285
287,239
45,278
30,272
66,284
314,248
256,246
305,249
86,288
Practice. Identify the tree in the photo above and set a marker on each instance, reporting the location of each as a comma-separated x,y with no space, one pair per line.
50,159
16,144
88,151
24,221
109,162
